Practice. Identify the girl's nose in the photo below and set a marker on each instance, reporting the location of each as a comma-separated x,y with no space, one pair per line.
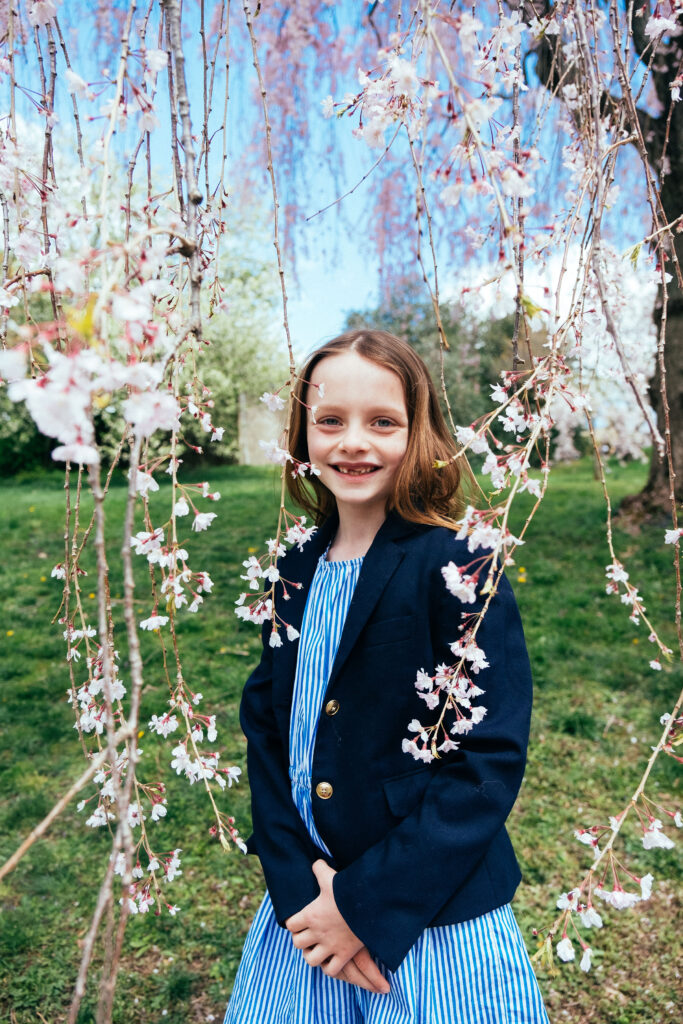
354,439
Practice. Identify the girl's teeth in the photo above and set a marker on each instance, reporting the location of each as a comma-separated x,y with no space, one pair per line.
354,472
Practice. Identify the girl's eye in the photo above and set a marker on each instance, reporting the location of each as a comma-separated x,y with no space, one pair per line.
384,421
327,421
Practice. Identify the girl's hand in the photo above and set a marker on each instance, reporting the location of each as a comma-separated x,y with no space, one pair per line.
328,942
361,970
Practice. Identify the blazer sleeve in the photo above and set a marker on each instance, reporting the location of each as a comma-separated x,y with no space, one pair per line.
397,887
282,842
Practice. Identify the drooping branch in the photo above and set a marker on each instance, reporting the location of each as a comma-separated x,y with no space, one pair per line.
194,196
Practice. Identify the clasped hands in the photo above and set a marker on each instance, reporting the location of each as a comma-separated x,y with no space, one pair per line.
328,942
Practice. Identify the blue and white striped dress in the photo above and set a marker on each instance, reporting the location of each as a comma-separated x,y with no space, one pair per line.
477,972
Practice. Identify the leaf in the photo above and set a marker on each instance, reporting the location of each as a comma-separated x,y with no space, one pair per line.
530,307
81,321
633,254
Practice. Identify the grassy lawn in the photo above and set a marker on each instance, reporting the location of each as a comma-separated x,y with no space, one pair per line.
596,715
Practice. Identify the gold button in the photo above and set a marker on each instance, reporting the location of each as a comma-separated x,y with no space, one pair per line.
324,790
332,707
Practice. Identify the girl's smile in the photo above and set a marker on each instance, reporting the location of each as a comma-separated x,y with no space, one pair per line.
359,433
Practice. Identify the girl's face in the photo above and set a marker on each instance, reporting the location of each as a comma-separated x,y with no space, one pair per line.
360,431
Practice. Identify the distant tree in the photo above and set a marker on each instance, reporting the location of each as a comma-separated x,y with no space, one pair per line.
479,348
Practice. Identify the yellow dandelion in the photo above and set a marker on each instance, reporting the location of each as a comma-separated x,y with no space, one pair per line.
32,508
43,578
223,650
91,596
251,551
141,733
10,632
635,640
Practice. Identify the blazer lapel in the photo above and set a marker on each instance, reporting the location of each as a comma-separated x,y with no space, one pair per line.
379,565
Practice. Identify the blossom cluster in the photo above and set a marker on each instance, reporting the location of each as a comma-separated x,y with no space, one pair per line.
261,608
392,95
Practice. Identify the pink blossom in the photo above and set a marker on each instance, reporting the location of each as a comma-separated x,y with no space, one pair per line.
565,950
148,411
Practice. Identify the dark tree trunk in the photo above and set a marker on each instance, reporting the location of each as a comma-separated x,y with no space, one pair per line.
656,496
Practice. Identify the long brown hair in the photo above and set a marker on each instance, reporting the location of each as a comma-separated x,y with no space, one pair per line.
422,493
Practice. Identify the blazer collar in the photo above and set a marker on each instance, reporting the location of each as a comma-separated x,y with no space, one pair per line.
379,564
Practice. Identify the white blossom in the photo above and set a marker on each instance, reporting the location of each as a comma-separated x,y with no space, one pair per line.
154,622
273,402
646,886
654,837
617,898
590,918
203,520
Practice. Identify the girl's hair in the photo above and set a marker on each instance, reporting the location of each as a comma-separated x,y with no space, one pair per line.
422,493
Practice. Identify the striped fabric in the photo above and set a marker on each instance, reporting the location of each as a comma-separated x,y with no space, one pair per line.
477,972
327,603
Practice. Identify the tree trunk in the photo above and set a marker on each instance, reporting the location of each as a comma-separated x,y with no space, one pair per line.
655,498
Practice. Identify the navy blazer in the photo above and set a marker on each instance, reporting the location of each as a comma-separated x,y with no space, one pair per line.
414,845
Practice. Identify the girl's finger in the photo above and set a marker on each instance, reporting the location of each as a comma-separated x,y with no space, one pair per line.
315,956
353,976
304,939
367,967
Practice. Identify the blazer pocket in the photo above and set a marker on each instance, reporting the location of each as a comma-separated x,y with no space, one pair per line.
389,631
404,792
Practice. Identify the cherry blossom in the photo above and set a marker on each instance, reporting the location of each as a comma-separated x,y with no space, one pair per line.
654,837
565,949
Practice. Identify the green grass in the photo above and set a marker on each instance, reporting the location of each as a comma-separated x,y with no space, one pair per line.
596,715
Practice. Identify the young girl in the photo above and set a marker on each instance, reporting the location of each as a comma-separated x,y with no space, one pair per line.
388,880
